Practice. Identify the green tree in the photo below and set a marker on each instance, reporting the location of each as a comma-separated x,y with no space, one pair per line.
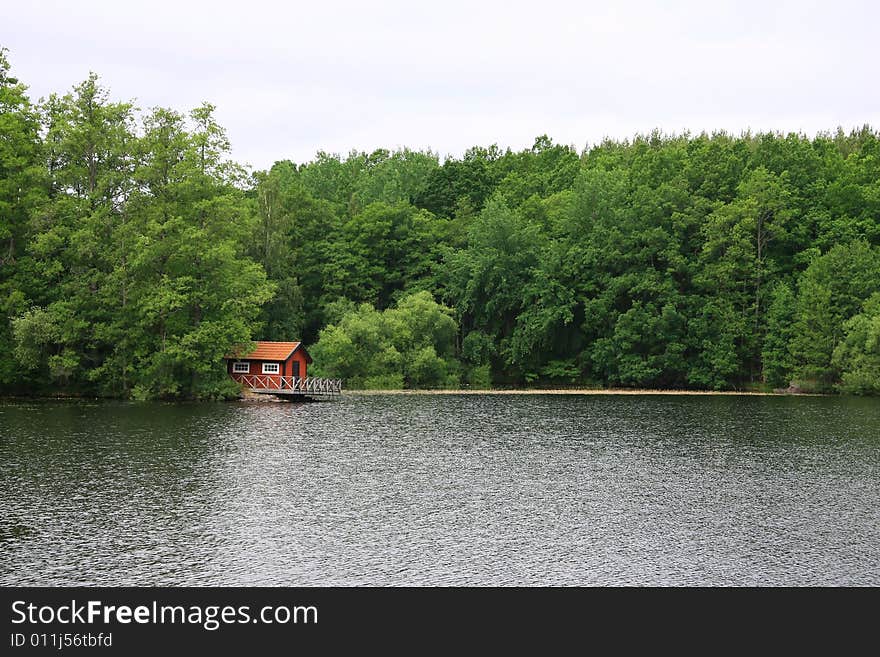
830,291
775,355
195,292
466,182
857,356
22,188
79,244
487,279
410,345
384,250
745,242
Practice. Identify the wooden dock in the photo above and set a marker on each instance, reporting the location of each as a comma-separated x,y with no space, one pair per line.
292,386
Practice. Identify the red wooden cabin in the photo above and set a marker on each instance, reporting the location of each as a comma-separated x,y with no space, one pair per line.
274,362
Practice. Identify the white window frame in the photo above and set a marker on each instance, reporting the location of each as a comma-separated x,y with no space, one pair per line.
274,368
237,365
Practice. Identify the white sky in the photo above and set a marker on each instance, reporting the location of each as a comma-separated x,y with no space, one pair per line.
291,78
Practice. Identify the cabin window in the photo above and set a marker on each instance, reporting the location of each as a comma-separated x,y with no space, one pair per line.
270,368
241,368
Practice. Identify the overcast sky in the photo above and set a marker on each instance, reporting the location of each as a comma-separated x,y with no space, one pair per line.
291,78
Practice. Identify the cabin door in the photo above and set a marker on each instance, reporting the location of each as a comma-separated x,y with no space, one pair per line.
296,369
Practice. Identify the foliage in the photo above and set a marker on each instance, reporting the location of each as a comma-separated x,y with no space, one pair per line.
134,253
410,345
858,354
831,291
134,279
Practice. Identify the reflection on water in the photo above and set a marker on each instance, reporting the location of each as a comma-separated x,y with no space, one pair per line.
442,489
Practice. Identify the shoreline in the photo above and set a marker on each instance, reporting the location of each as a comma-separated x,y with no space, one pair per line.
582,391
248,397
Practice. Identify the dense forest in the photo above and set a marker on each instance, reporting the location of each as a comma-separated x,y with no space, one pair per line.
134,254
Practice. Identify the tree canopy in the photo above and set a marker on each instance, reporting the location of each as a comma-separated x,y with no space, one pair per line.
134,253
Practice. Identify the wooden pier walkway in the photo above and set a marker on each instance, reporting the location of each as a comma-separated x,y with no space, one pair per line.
292,386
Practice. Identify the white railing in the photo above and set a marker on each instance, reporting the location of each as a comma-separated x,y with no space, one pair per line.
314,385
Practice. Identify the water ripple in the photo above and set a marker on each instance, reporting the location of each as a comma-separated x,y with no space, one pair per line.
443,490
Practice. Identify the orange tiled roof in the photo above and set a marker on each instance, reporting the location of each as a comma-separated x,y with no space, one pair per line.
270,351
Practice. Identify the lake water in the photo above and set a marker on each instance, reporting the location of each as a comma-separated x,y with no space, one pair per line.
443,490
